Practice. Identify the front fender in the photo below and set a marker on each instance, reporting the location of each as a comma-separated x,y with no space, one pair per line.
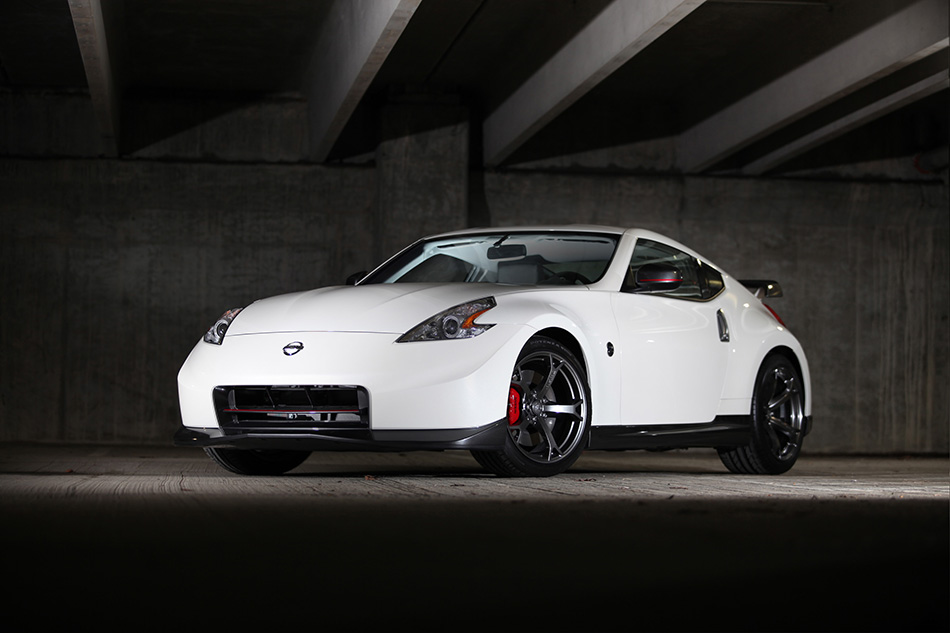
586,316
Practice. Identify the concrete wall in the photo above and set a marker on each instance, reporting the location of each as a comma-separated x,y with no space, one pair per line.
111,270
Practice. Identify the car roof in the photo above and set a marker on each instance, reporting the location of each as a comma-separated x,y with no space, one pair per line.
583,228
567,228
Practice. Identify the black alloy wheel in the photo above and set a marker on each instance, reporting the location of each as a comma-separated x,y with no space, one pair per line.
778,415
548,413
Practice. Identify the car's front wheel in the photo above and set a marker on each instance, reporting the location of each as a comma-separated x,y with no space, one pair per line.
548,413
257,462
778,414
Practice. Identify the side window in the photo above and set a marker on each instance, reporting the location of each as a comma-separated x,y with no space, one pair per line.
700,281
713,281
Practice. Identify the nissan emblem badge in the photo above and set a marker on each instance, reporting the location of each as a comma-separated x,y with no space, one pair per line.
292,348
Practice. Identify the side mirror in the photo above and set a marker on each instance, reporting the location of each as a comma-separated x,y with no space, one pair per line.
353,279
657,278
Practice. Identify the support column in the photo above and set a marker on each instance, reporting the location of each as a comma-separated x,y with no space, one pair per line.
422,166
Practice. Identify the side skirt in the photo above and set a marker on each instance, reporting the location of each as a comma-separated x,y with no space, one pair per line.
726,430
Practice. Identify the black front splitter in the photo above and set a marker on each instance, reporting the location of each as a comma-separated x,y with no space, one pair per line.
489,437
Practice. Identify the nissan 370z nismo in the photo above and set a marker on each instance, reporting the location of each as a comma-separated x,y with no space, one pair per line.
525,346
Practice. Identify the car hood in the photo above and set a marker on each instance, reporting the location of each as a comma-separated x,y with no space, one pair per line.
381,308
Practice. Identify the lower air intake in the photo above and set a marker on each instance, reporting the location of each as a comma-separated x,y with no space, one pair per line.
291,408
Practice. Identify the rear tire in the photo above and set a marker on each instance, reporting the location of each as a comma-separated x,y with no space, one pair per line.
778,415
257,462
549,414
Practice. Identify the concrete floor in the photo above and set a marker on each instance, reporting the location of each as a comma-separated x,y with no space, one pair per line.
139,539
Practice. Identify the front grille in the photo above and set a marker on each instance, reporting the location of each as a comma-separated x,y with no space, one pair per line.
291,408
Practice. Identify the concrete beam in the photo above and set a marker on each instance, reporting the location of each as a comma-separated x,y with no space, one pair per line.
618,33
911,34
355,40
854,120
94,48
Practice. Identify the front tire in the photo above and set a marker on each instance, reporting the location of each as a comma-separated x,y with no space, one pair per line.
257,462
548,413
778,415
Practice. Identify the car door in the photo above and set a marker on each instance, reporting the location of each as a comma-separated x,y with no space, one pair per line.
674,344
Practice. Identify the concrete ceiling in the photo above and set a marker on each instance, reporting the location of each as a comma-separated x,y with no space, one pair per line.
739,87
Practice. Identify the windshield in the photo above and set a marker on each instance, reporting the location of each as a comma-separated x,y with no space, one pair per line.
559,258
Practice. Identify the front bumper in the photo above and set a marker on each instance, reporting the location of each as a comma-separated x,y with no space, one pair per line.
410,386
490,437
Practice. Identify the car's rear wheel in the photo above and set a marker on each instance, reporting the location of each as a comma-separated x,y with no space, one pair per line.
548,413
257,462
778,415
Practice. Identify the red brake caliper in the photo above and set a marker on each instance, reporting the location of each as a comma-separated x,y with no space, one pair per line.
514,405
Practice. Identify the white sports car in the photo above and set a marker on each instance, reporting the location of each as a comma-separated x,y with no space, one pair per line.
524,346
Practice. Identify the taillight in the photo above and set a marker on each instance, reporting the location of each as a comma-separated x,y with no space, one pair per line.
775,314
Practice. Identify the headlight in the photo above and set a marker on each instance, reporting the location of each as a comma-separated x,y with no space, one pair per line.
216,334
454,323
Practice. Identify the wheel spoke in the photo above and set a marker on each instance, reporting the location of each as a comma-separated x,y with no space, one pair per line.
774,439
524,434
555,370
783,427
524,438
780,399
573,410
552,449
790,389
523,379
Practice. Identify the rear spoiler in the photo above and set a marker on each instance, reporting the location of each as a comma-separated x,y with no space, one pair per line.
762,288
